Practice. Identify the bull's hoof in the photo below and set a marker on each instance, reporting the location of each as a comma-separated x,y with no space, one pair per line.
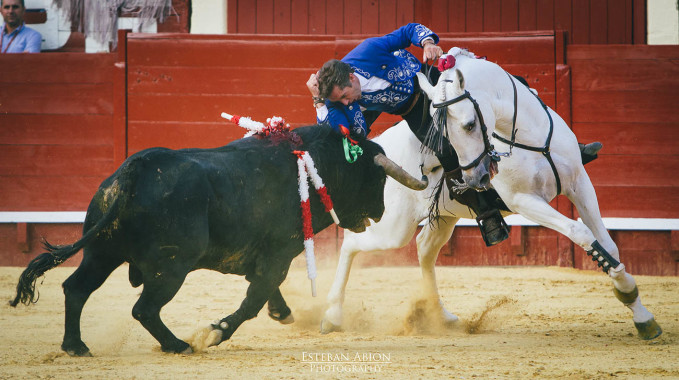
78,349
327,327
648,330
283,319
180,347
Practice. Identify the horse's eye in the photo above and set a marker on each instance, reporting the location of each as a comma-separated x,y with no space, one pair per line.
469,126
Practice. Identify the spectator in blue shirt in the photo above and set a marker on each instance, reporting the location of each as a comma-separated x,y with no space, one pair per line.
16,37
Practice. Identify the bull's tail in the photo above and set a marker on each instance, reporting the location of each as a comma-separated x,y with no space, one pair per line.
56,255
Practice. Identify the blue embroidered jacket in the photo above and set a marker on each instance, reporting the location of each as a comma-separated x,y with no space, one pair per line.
386,58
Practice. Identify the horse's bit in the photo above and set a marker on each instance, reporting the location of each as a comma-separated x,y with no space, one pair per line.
489,149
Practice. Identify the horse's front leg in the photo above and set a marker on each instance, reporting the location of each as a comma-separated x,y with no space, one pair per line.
624,286
539,211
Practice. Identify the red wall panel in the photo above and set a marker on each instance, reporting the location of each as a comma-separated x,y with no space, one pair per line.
177,86
586,21
625,97
56,129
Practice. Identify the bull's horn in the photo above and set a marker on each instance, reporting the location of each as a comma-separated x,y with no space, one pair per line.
396,172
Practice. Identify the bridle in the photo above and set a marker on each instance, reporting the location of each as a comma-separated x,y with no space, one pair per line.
489,149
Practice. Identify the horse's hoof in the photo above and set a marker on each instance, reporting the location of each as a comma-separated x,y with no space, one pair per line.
648,330
450,319
327,327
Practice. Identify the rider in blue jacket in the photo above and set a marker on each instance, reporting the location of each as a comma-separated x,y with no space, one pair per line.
379,75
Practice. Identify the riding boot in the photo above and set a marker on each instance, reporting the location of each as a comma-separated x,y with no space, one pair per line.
493,227
589,151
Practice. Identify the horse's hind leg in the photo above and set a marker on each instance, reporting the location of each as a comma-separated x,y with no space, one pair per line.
89,276
537,210
429,243
332,319
393,231
624,286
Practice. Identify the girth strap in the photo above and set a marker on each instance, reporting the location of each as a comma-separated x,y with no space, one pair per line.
545,149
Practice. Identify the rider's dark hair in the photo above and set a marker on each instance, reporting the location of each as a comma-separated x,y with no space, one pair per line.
333,73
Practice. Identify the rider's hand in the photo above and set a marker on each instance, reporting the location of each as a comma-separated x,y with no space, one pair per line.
432,52
312,84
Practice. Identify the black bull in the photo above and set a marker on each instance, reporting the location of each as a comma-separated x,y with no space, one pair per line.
234,209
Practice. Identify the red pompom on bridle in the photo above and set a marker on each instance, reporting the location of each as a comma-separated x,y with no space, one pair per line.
446,62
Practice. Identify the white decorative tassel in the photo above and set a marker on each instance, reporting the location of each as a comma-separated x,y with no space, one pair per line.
306,224
318,184
253,127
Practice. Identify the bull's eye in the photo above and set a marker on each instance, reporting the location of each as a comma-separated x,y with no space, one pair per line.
469,126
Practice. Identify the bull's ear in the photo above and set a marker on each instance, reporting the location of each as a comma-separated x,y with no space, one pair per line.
425,85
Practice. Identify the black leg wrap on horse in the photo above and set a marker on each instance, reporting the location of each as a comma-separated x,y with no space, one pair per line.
626,298
602,258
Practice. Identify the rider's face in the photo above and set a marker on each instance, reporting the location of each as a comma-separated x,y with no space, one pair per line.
347,94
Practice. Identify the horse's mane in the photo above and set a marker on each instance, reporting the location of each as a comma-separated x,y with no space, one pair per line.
457,51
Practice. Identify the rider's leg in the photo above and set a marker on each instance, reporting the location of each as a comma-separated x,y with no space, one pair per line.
493,228
484,204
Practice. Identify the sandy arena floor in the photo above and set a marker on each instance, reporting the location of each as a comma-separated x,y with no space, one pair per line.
538,323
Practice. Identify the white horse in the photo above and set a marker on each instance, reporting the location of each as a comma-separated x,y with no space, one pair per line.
480,107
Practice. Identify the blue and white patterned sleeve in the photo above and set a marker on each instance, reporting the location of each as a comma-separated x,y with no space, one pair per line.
336,114
410,34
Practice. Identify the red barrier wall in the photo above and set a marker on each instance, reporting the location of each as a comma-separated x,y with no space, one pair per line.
585,21
56,117
77,116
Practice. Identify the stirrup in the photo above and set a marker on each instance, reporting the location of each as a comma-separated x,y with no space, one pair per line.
493,227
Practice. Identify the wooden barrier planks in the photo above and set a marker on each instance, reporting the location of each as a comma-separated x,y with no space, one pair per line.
56,129
624,96
178,87
180,83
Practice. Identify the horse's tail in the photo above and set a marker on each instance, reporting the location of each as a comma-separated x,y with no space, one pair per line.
56,255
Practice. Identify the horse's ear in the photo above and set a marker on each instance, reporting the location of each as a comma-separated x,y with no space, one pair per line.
460,80
428,89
